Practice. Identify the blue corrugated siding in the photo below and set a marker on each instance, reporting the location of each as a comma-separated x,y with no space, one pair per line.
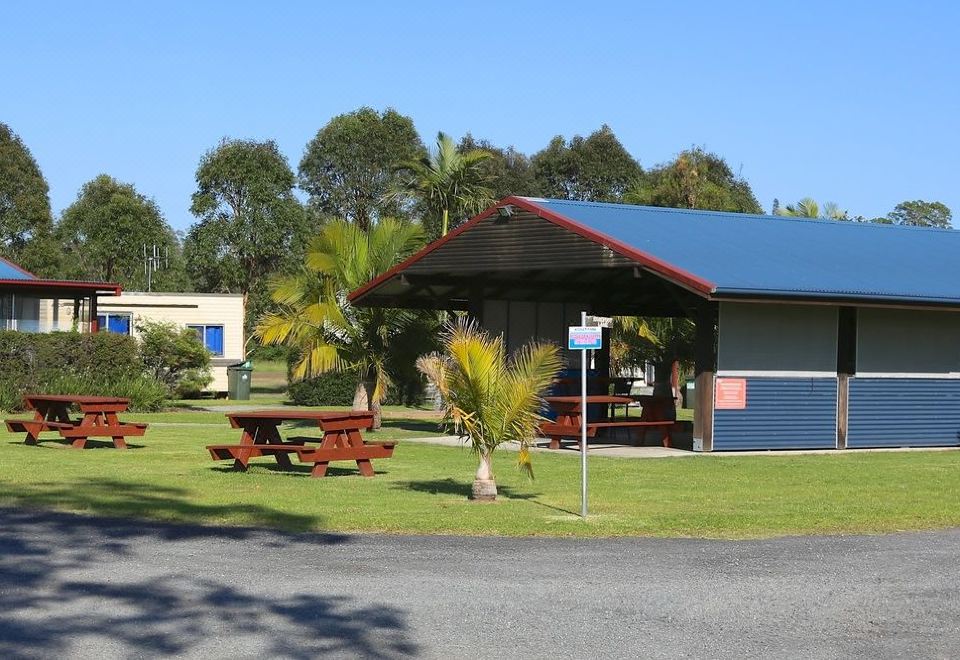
903,412
781,413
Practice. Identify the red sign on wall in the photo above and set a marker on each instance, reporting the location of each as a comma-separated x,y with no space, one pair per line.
730,394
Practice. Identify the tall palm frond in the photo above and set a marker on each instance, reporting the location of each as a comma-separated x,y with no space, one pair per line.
315,318
489,398
447,181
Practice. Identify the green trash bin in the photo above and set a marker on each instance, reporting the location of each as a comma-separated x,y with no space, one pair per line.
238,381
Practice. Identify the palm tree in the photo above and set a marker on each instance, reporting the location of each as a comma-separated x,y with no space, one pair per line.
330,334
666,342
808,208
489,398
447,180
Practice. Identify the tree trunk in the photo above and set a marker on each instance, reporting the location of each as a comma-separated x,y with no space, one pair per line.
446,221
360,397
484,485
373,404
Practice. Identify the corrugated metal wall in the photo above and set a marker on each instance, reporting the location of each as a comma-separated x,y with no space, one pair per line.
781,413
895,412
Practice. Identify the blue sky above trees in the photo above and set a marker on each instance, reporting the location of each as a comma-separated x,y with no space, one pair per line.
855,104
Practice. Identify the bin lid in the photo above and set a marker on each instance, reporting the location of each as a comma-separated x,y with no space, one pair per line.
242,365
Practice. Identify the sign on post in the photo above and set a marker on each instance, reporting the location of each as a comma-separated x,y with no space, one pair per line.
585,338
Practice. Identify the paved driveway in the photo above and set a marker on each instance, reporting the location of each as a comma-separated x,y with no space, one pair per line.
100,588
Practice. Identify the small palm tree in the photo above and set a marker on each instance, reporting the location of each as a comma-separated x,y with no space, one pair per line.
808,208
447,180
489,398
330,334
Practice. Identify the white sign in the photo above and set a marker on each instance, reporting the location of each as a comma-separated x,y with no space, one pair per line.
584,338
600,321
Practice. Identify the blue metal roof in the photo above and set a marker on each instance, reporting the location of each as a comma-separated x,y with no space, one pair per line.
741,254
10,271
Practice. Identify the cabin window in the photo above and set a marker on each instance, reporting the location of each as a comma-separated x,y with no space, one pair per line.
211,336
113,322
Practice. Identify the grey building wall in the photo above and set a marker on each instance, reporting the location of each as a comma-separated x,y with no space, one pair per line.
897,341
758,339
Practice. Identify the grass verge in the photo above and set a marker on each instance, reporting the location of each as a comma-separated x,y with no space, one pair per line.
167,475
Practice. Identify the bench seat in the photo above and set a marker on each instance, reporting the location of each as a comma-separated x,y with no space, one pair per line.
556,432
118,430
34,425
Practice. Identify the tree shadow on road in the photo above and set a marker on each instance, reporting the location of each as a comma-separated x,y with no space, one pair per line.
93,585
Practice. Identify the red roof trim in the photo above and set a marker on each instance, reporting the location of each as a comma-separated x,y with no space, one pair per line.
17,267
655,264
111,287
659,266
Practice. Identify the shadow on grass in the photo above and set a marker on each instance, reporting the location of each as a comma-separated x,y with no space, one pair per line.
92,443
135,589
150,501
450,486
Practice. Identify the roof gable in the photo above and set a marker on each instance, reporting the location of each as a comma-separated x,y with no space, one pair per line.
11,271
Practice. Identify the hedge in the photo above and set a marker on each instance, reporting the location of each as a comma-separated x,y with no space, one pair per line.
73,363
337,389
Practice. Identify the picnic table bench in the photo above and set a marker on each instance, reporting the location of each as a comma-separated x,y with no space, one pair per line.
570,418
341,440
99,419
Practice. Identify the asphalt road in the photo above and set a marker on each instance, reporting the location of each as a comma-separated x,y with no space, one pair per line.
75,586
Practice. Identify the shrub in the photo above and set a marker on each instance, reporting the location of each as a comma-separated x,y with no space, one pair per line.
338,388
329,389
103,364
175,356
146,394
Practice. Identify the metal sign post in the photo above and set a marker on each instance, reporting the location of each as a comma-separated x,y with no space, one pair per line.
585,338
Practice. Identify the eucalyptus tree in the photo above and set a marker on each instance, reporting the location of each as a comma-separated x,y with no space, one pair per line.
352,163
595,168
103,234
695,179
250,223
26,223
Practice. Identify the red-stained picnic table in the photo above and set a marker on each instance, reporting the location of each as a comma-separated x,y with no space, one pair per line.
51,412
570,417
341,441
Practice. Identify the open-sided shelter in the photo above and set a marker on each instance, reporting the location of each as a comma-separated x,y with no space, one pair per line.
810,333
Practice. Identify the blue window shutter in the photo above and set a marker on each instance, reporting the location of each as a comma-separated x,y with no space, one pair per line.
214,339
119,324
102,322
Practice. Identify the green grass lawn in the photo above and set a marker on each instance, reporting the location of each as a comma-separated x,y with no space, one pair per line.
423,489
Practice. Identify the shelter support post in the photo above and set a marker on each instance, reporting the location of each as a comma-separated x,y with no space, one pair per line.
94,326
846,367
705,360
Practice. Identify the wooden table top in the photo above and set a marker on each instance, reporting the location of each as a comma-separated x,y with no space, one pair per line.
74,398
287,414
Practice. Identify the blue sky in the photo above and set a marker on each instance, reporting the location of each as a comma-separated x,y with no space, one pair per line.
856,103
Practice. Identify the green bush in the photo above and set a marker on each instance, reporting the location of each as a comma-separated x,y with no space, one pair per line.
103,364
329,389
175,356
337,389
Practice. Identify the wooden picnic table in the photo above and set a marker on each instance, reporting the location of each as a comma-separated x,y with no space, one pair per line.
51,412
570,418
341,441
